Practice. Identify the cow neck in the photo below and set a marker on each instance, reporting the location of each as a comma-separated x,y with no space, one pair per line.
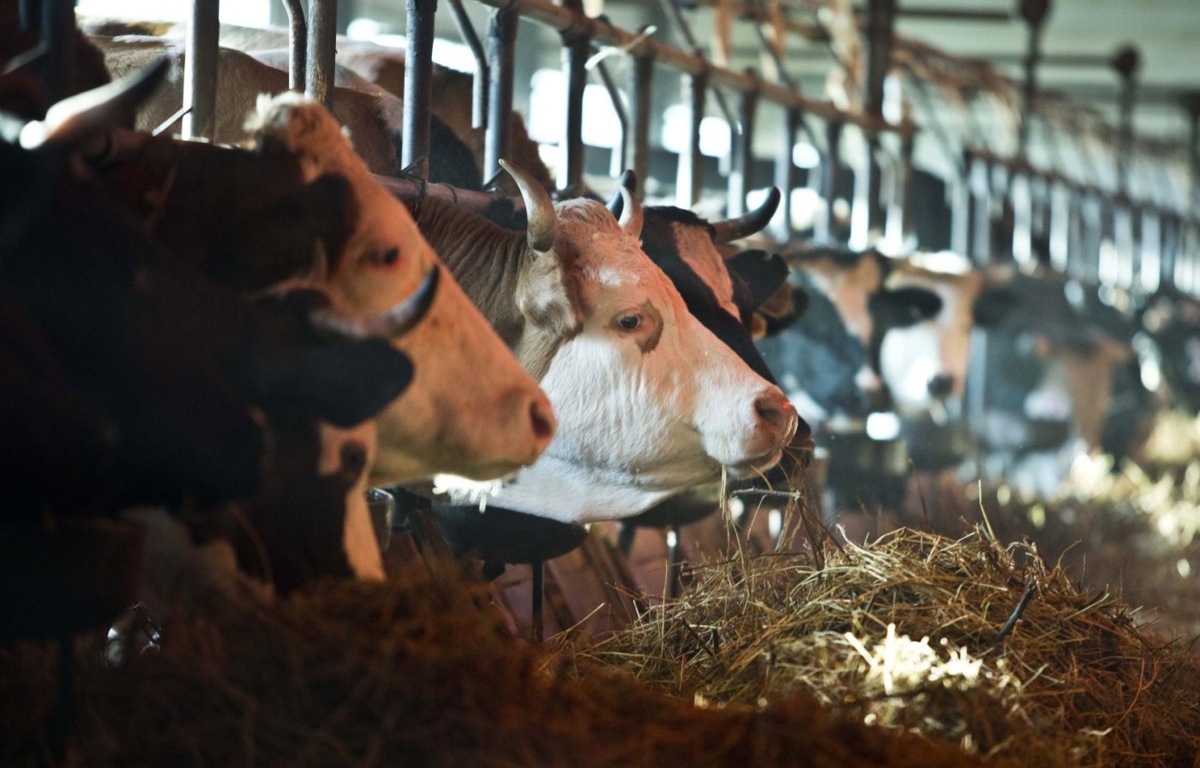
486,260
571,493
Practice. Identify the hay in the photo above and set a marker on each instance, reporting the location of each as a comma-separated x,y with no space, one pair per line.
409,674
1069,682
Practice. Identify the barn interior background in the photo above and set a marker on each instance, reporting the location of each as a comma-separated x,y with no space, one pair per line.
1058,602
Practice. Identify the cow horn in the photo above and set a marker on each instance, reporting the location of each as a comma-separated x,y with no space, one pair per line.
747,224
74,120
631,217
394,323
539,210
617,203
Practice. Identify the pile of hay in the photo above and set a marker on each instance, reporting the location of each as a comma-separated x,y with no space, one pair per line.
1124,531
408,674
917,632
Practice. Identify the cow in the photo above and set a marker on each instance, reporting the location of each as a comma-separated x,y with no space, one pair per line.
176,391
456,153
829,360
369,117
722,293
449,419
1059,377
649,402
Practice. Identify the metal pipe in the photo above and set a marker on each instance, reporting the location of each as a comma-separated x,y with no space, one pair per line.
602,33
742,170
1191,103
479,91
786,175
683,31
642,94
1126,64
297,44
1034,13
881,18
502,39
576,50
418,87
691,168
200,70
823,229
617,164
903,201
322,50
940,13
57,67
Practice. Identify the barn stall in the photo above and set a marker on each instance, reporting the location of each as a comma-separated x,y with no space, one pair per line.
780,628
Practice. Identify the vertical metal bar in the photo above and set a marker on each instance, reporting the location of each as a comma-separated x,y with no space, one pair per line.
1020,194
643,91
322,49
57,67
1034,13
786,175
29,15
479,91
687,179
538,589
297,44
881,16
575,53
418,87
1126,63
1168,249
1076,235
979,242
824,230
1191,103
901,219
200,70
502,39
618,162
741,172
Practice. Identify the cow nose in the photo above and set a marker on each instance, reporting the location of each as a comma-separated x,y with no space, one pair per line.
773,408
940,385
541,417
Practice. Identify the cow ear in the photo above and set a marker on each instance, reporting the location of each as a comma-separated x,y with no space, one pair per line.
902,307
762,272
993,306
341,383
543,298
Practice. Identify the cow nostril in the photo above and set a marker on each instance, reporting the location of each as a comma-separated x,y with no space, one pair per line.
940,385
354,458
775,409
542,418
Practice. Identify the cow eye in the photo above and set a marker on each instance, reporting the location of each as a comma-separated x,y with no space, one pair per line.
389,257
629,322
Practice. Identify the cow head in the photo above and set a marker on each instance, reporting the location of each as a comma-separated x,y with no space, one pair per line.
829,359
924,359
649,401
471,409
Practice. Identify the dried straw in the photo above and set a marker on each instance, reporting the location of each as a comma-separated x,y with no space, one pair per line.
409,674
1018,667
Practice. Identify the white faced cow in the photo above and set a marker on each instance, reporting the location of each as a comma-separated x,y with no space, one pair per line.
649,401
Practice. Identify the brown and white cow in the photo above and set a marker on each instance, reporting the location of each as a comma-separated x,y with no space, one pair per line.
450,419
649,401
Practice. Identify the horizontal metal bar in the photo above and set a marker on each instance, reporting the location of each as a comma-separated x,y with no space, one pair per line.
602,33
945,13
1022,167
411,189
